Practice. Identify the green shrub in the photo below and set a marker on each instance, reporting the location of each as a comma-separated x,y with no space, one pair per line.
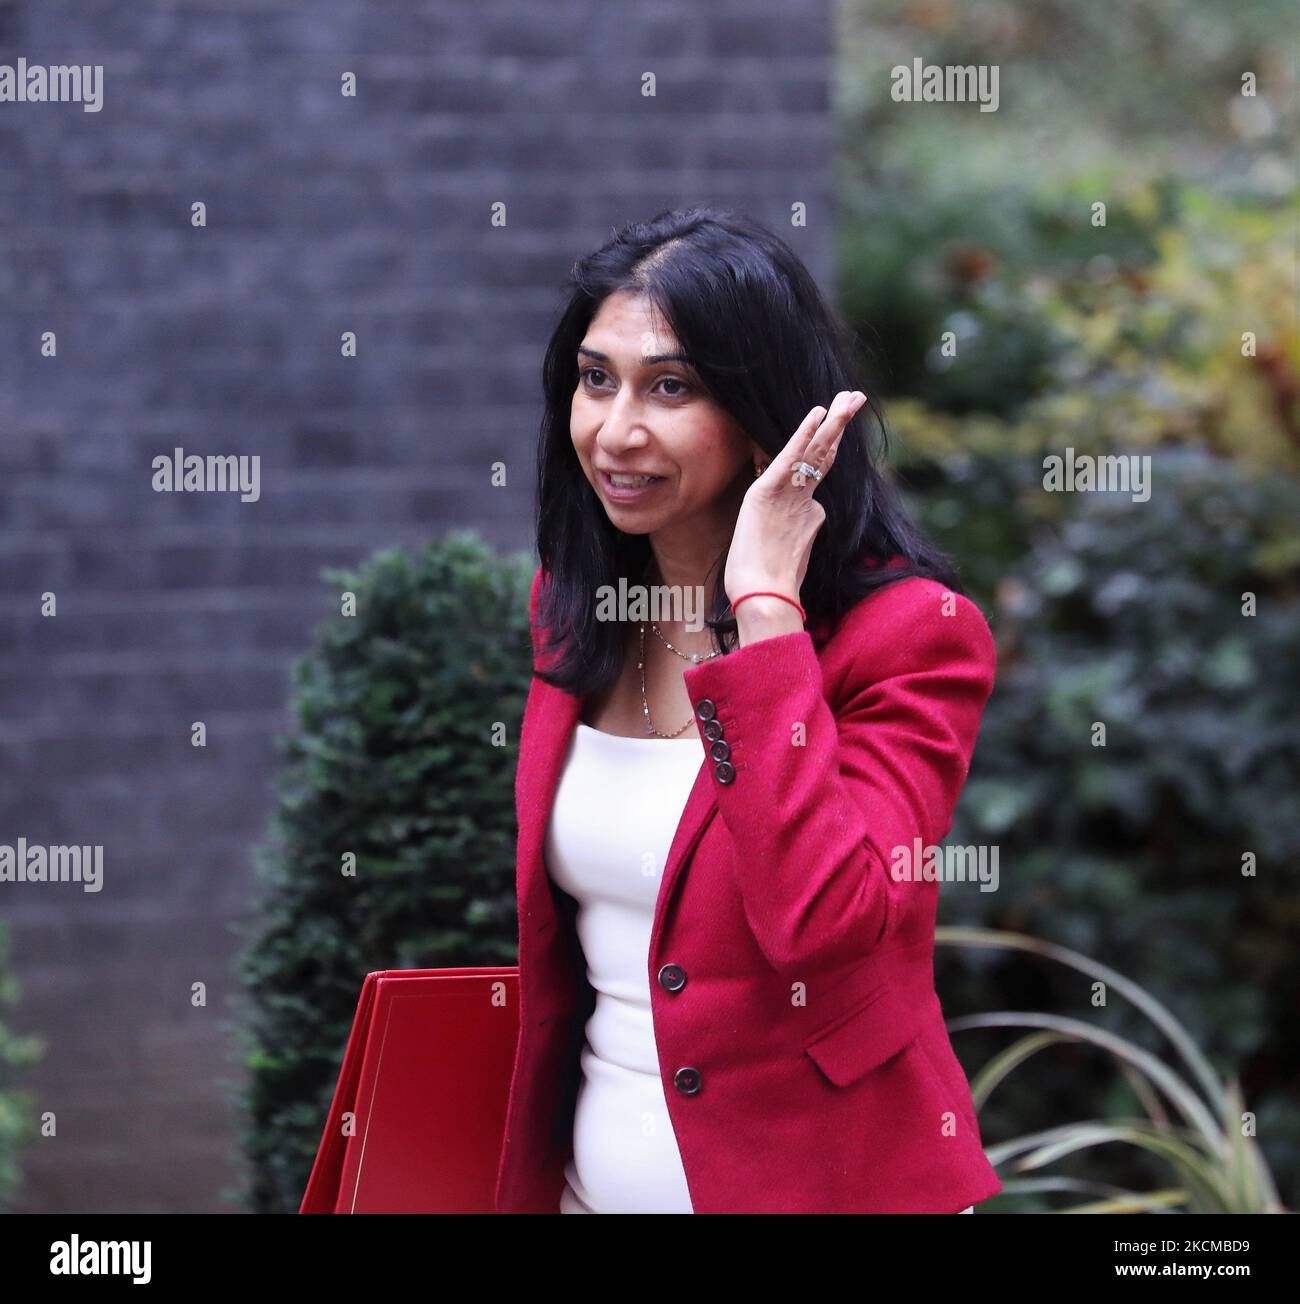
17,1117
953,219
393,760
1131,614
1132,356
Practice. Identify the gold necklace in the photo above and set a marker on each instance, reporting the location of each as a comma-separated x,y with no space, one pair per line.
693,657
645,701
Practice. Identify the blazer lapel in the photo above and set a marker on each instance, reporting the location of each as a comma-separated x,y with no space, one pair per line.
550,720
701,806
550,717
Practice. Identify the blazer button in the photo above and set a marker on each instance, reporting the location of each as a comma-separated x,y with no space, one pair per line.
720,751
687,1081
672,977
705,709
725,771
712,731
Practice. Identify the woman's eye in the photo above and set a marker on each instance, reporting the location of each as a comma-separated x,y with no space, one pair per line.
595,376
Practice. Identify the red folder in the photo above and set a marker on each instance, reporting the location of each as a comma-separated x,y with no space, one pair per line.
419,1112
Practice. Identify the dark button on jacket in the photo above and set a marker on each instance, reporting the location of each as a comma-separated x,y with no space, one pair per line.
688,1081
672,977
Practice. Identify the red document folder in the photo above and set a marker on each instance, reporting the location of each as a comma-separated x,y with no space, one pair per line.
426,1079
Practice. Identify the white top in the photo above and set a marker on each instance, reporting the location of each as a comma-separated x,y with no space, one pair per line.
616,809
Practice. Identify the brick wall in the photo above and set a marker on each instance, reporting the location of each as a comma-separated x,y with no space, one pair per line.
325,214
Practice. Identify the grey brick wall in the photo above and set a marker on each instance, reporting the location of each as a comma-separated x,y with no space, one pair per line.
325,214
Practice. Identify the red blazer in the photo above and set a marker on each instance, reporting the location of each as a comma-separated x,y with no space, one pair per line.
804,1057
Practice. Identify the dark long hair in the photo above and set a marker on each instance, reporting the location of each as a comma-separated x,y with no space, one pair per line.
768,347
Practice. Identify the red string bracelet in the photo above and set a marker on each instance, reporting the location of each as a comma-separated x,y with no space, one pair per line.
803,615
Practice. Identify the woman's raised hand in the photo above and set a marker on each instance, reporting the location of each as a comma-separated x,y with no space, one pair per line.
779,517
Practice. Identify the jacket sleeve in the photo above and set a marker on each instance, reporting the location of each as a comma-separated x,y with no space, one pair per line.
817,800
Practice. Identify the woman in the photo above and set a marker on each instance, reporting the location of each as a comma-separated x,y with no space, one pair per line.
726,984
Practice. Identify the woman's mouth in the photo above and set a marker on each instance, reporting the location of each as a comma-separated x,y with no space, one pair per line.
629,488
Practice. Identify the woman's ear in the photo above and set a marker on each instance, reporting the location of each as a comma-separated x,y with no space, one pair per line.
759,458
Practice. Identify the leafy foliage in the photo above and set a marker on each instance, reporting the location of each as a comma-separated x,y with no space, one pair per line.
17,1053
1195,1125
1134,356
1131,615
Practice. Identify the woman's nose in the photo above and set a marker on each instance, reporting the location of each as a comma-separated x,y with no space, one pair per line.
622,427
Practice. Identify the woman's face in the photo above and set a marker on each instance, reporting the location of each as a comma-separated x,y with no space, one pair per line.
640,411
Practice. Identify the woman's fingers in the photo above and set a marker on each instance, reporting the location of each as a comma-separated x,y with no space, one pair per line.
819,450
815,439
827,435
782,465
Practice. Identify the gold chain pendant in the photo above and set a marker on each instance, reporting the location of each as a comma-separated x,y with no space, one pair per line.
645,701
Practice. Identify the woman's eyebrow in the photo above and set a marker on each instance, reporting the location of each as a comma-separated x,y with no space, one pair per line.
651,361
